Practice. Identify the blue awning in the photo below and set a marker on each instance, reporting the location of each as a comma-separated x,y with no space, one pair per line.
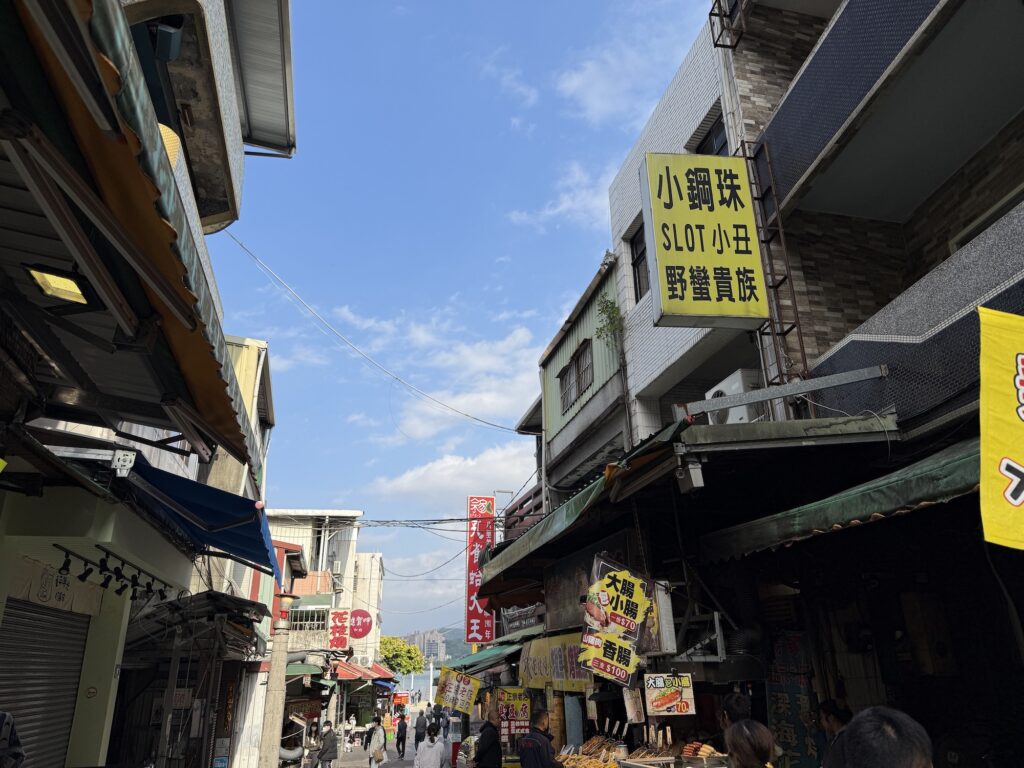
389,687
210,517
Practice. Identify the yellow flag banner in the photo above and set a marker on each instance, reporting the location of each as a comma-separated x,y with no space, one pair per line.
1002,427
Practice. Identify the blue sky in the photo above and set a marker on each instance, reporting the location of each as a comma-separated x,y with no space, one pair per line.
446,206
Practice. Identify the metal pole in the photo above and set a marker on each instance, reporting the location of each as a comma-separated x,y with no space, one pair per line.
430,683
273,710
164,745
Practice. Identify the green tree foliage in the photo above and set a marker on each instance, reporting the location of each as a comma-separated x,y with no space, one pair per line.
400,657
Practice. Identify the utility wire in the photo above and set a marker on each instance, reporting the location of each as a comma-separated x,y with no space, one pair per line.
352,345
417,575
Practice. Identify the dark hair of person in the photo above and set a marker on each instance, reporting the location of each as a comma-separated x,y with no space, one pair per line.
832,709
376,720
749,744
432,730
736,706
537,716
327,723
881,736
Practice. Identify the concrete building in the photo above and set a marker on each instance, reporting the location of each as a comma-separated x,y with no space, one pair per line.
368,593
431,644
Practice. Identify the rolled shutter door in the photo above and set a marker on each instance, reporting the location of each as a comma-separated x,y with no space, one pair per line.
41,653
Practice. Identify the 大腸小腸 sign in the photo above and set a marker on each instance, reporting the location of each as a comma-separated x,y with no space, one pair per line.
669,694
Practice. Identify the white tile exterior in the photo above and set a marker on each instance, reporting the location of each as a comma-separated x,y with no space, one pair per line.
654,355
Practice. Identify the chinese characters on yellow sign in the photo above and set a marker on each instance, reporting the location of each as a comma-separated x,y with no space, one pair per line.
1002,427
456,690
514,712
669,694
702,242
617,605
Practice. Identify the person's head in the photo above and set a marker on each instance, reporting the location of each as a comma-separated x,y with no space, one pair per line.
401,717
881,736
432,730
735,707
540,720
833,718
749,744
327,726
493,717
376,719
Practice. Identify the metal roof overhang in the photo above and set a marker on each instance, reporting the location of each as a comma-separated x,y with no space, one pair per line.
481,660
261,33
945,475
137,207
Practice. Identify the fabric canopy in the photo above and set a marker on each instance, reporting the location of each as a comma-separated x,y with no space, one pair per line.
210,517
304,669
939,478
386,685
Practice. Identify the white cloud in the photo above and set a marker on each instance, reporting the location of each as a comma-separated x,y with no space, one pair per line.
361,419
299,355
522,125
580,197
509,79
515,314
621,79
364,323
441,486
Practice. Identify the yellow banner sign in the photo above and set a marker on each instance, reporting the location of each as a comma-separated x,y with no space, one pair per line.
554,661
457,690
1002,427
703,249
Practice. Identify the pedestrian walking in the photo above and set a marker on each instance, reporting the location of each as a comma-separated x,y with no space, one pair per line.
421,729
750,745
376,743
350,732
833,719
880,736
488,744
11,753
446,721
432,752
535,747
328,746
400,733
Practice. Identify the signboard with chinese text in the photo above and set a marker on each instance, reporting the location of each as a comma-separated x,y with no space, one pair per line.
554,661
791,712
479,536
1002,427
338,630
360,624
617,606
703,249
514,711
634,705
457,690
669,695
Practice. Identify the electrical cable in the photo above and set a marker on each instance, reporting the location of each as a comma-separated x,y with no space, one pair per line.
355,348
417,575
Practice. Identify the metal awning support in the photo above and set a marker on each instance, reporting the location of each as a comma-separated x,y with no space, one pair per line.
701,439
683,412
57,167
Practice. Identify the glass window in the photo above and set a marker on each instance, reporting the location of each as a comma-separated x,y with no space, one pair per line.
309,619
585,367
715,142
641,279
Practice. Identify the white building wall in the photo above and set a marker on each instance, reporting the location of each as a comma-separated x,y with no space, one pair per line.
368,592
693,95
249,728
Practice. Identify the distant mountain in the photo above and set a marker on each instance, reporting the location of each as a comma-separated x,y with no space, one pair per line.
455,642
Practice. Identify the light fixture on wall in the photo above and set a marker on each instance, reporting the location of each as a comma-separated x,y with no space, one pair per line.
107,578
65,569
122,588
86,572
59,284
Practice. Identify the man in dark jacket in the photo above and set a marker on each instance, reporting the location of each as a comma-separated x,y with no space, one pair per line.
400,732
421,729
535,748
328,746
488,743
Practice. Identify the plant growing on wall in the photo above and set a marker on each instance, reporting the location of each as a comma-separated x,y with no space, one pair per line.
610,325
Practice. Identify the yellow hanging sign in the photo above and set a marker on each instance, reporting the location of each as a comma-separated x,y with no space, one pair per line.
1002,427
703,250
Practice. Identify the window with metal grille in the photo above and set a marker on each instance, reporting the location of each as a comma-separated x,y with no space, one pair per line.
715,142
641,279
577,376
309,619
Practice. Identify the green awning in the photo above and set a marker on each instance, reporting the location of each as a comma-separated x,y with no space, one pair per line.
547,530
304,669
943,476
481,660
521,634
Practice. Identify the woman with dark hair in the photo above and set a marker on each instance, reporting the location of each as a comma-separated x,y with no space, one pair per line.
750,745
431,753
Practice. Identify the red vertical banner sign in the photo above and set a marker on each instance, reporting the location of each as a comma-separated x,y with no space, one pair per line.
479,536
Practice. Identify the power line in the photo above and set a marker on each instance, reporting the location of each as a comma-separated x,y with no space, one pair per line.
352,345
417,575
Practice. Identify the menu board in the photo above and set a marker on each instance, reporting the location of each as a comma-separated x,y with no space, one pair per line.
514,711
617,605
669,695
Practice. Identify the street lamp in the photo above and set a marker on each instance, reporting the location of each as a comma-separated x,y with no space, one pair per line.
273,711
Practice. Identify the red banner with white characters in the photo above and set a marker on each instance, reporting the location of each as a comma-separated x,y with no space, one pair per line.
479,536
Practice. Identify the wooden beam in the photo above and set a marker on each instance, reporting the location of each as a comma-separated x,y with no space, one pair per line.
59,214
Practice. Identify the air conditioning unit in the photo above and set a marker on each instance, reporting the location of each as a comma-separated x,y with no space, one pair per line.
336,568
363,661
736,383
